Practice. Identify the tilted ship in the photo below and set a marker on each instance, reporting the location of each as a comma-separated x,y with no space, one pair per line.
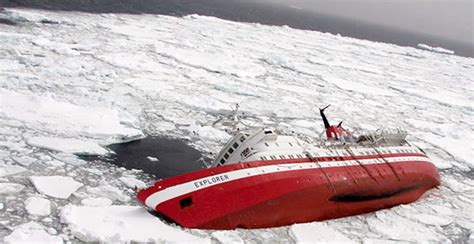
265,178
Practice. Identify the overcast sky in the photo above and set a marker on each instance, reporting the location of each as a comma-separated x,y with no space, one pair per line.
450,19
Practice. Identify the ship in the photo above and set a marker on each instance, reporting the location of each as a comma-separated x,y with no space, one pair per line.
265,178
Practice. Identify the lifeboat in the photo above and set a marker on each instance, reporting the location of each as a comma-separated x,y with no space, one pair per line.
266,178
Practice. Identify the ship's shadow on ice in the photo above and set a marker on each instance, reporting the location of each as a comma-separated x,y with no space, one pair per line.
158,156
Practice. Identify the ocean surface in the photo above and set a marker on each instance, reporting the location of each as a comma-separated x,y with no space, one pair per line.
159,156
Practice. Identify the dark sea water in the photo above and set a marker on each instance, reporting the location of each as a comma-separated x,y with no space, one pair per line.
174,156
249,11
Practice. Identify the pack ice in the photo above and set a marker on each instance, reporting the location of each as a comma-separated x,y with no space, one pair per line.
79,81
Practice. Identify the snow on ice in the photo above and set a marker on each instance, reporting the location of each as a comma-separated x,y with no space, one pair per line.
122,224
87,80
132,182
68,145
55,186
38,206
9,188
31,232
316,232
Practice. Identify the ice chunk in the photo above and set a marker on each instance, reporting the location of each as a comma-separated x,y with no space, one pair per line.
24,160
58,116
152,159
31,232
8,188
316,232
132,182
396,227
38,206
227,237
434,49
346,84
96,202
55,186
208,133
121,224
68,145
110,192
6,170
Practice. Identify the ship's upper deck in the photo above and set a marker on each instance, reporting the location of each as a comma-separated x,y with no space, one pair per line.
267,144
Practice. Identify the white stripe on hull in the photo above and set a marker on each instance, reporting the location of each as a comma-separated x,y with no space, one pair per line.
175,191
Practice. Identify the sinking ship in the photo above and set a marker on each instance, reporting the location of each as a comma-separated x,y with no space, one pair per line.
266,178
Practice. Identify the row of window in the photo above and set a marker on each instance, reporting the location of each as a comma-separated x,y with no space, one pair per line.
290,156
294,156
276,144
231,150
386,151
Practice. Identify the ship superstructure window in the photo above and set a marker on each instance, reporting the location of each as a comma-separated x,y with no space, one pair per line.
242,139
235,145
268,132
266,144
290,144
226,156
222,161
231,150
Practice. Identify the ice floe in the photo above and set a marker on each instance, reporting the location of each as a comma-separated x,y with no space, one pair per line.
317,232
55,186
9,188
435,49
31,232
96,202
122,224
110,192
68,145
132,182
38,206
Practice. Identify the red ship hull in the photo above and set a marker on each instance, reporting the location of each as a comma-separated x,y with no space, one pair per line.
282,192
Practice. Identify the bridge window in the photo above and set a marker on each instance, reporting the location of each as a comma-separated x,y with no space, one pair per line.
266,144
235,145
242,139
268,132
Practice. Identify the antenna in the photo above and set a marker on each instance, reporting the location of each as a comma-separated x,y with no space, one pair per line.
323,116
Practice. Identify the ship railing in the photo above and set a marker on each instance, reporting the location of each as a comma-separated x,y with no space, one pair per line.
396,136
